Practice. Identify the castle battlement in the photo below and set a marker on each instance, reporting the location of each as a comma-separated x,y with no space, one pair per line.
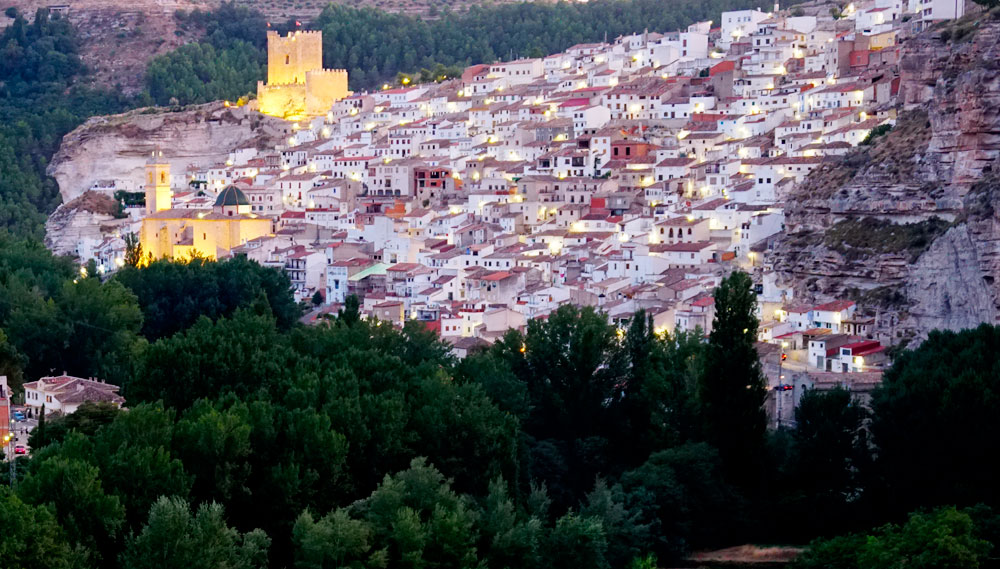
292,34
297,85
281,85
326,71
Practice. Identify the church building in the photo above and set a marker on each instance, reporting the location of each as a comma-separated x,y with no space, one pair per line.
183,233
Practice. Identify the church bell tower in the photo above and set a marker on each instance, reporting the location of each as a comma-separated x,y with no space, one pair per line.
158,193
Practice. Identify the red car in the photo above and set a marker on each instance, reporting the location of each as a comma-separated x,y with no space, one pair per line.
20,449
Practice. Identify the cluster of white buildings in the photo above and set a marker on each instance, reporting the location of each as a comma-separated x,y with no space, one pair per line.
627,175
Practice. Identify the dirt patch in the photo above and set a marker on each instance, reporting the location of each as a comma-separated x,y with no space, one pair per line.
748,554
95,203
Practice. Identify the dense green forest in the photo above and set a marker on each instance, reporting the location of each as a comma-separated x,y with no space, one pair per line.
226,64
252,441
40,101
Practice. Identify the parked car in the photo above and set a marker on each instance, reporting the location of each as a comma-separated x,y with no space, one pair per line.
20,449
18,416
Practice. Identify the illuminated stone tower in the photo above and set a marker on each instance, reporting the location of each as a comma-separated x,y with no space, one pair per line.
158,192
297,85
290,58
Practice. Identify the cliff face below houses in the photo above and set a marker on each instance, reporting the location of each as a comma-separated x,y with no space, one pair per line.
116,147
89,217
910,225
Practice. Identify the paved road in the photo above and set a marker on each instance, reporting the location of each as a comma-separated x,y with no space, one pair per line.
21,429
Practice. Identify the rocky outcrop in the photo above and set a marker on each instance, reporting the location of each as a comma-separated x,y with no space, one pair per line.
946,288
116,147
938,163
88,218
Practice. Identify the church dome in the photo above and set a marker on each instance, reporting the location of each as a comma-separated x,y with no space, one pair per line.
231,196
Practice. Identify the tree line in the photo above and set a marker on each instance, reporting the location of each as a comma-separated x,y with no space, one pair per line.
254,441
376,46
40,101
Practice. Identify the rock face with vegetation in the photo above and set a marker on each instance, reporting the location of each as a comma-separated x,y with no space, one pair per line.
91,215
116,147
116,39
907,224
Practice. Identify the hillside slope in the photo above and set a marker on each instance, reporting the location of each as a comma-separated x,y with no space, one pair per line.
117,39
847,232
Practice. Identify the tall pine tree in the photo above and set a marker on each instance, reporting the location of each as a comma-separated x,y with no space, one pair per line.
732,389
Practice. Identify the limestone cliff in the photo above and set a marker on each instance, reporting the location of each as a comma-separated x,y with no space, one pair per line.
90,217
908,226
116,147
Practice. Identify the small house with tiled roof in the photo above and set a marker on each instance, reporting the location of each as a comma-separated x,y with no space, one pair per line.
65,393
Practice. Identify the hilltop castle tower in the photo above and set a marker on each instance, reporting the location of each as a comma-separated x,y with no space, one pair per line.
158,192
297,85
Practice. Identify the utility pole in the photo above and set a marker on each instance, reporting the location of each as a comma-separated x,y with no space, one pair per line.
779,390
10,453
